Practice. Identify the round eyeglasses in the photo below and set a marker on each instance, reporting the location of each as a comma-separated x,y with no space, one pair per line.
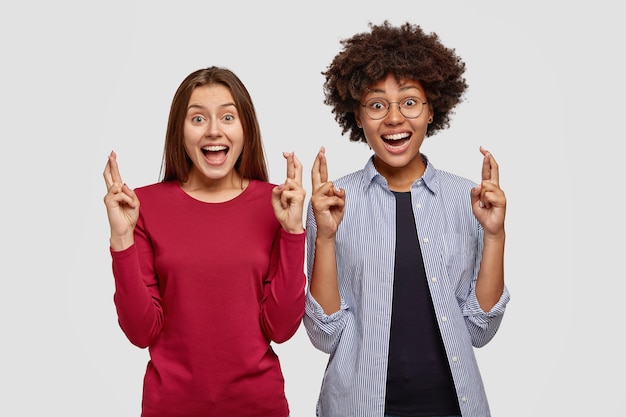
378,108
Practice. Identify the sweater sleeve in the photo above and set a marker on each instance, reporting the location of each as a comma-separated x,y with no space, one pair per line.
137,298
282,305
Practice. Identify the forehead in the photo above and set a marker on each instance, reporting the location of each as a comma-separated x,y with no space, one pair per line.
391,84
216,94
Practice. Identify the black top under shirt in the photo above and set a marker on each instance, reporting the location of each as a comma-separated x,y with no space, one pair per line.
419,381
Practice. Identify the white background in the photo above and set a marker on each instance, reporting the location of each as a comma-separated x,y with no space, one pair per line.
79,79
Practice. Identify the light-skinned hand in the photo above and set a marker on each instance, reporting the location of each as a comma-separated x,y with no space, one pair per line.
122,206
288,198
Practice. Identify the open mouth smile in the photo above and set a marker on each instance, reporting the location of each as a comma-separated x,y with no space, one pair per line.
397,140
215,154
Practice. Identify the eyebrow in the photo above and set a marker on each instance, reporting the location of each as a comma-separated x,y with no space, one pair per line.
402,88
200,106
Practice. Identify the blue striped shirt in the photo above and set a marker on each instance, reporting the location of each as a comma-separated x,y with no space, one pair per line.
357,336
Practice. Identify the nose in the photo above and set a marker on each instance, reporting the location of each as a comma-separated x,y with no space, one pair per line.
211,128
394,114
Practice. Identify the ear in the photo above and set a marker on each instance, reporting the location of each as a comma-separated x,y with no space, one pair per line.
357,118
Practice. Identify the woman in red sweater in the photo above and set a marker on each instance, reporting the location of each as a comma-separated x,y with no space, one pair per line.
209,262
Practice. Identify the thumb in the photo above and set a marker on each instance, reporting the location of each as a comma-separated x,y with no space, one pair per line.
475,194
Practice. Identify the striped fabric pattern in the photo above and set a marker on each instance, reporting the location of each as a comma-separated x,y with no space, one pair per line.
357,336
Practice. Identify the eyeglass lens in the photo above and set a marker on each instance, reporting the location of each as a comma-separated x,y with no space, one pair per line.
410,107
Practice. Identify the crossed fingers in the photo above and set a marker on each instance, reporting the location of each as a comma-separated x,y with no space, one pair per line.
319,172
112,172
490,171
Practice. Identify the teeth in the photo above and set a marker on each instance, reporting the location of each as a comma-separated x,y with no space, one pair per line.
214,148
397,136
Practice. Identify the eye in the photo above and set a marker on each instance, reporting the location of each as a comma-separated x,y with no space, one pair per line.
197,119
229,117
377,105
409,102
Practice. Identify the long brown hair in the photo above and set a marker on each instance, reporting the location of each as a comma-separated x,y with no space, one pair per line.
176,163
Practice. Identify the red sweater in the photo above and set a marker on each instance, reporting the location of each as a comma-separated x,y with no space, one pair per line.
206,287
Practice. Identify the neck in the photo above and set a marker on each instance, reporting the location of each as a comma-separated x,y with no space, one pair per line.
401,178
215,190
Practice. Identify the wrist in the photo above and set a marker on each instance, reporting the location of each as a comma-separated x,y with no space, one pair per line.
495,237
119,243
294,230
321,240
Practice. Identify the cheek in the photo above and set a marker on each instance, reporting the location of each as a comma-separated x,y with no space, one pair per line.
190,131
191,137
189,149
236,137
370,127
371,137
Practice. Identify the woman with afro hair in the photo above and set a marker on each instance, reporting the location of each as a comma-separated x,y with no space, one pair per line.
405,262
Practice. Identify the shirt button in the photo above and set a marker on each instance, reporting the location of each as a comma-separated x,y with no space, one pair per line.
425,240
464,399
455,359
418,205
434,279
444,318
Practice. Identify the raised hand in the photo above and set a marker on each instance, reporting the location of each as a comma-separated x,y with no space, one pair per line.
288,198
122,206
327,201
488,199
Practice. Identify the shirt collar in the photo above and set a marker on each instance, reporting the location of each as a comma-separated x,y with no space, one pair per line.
429,178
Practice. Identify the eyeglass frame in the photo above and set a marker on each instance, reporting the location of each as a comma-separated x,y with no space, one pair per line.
389,103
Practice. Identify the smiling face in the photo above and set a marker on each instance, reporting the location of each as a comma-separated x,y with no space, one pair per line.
214,136
395,138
